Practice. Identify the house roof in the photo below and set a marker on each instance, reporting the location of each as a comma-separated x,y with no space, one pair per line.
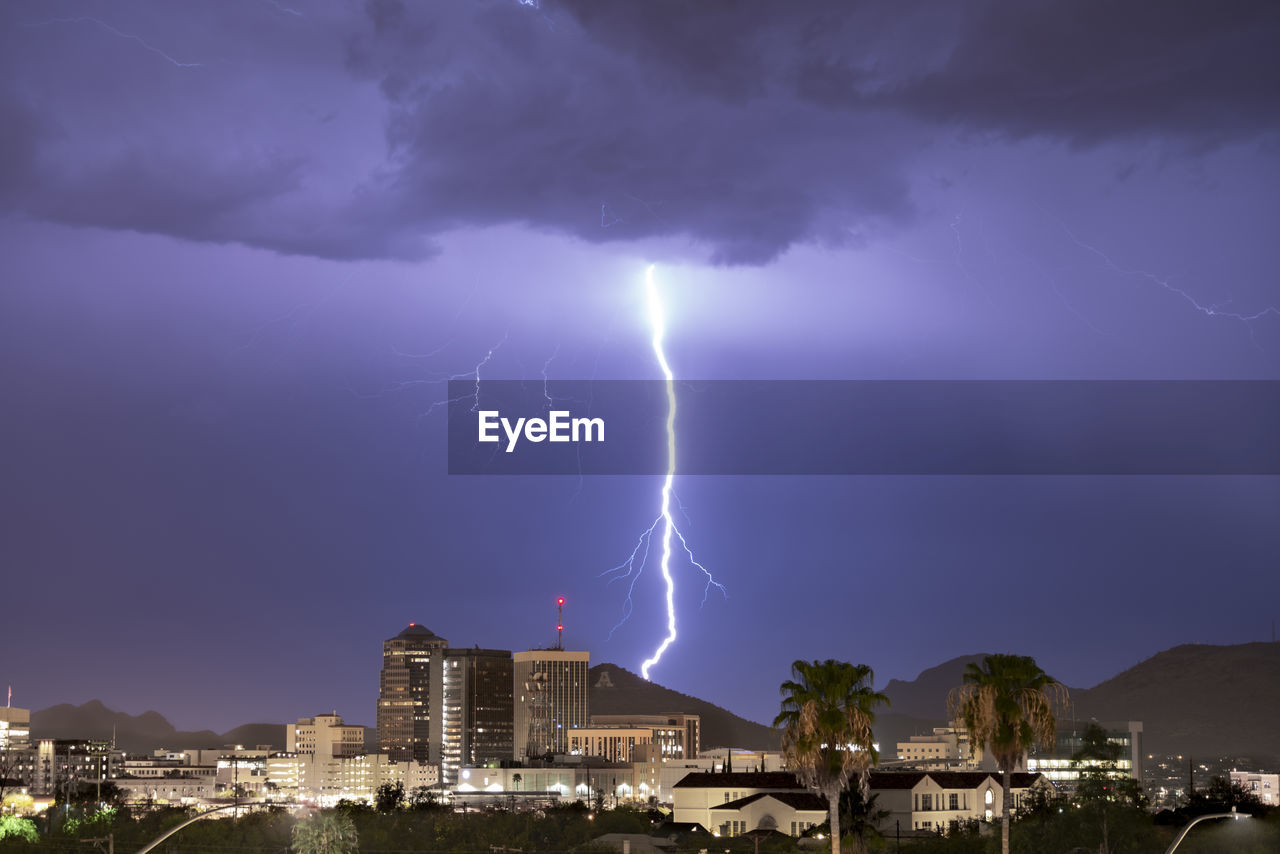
803,801
639,843
946,779
747,780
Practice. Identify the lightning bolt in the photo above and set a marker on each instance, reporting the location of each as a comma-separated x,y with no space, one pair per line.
658,319
666,523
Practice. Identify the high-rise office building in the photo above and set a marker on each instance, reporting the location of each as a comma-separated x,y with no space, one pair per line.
472,712
550,688
404,695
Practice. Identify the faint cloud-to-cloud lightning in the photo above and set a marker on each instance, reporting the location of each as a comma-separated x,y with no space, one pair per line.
85,19
1214,310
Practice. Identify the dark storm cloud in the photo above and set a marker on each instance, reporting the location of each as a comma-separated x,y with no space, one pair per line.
1096,70
507,115
19,142
746,127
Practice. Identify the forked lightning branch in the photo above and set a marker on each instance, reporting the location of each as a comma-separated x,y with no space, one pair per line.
558,427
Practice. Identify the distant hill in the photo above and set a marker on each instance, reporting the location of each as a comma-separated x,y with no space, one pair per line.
141,733
1198,698
926,696
615,690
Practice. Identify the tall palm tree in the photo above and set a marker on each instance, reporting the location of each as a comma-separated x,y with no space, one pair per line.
828,708
1008,705
328,832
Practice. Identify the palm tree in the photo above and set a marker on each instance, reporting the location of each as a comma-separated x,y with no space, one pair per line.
325,833
828,708
1007,703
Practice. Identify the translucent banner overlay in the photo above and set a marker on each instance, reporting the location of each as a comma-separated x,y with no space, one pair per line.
820,427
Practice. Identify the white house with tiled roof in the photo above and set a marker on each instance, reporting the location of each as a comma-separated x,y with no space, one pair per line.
942,800
791,813
698,793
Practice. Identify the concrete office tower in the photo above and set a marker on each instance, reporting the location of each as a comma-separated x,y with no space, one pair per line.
404,695
325,736
550,687
472,713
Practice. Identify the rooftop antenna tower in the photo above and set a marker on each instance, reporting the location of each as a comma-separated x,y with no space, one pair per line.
560,623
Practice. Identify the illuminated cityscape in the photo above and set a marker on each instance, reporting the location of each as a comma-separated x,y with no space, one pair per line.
589,426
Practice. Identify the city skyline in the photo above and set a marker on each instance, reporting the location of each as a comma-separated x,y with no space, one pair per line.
246,248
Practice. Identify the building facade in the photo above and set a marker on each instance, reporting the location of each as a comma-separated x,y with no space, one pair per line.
324,735
946,748
697,796
691,726
15,728
550,687
1265,787
404,694
1063,770
473,713
940,801
613,744
62,762
791,813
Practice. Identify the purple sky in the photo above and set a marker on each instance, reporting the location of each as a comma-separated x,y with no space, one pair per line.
243,245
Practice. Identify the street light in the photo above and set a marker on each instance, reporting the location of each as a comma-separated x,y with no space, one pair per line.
1233,814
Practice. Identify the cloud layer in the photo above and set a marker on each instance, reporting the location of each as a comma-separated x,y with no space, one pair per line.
747,128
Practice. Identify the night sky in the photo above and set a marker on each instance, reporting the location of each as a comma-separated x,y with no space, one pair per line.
243,246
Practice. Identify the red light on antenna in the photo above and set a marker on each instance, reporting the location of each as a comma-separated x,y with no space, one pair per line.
412,623
559,628
560,601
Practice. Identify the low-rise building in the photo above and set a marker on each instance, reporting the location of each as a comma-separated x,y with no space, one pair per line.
945,749
15,728
242,773
1060,766
172,789
687,746
697,794
791,813
615,744
324,735
943,800
58,762
1265,787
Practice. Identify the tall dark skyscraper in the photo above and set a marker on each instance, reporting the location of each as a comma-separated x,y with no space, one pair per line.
472,709
550,686
404,693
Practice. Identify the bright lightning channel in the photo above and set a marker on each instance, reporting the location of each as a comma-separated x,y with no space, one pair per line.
634,565
657,318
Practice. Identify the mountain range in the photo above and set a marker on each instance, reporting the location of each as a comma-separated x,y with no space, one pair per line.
142,733
1200,699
